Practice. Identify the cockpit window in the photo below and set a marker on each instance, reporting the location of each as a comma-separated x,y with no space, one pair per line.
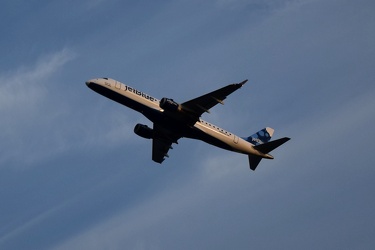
105,78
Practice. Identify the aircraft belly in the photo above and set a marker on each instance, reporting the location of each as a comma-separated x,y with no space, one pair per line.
224,140
196,133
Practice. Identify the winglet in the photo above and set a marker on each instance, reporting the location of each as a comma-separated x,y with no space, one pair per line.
243,82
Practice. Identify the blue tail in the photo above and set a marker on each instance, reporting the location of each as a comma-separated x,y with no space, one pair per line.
261,136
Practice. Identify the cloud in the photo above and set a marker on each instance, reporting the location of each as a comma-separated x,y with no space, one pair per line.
85,190
319,135
38,110
139,226
23,97
23,88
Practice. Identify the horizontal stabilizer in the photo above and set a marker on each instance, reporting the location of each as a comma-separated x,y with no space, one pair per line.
265,149
269,146
254,161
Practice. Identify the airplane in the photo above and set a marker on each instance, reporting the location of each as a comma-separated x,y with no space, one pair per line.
172,121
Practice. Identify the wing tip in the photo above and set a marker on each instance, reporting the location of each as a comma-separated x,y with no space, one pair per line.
243,82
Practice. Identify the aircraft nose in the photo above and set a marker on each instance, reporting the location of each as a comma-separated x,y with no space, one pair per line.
90,83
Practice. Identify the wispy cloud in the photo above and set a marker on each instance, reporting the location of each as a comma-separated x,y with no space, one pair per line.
23,92
129,226
84,189
23,87
33,106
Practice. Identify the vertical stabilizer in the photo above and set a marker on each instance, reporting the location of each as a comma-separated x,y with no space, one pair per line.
261,136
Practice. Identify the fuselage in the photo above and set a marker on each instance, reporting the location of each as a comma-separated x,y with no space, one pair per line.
150,108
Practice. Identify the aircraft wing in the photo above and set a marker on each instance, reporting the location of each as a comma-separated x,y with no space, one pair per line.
205,102
162,142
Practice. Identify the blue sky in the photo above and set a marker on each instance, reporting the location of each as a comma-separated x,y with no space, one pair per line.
74,175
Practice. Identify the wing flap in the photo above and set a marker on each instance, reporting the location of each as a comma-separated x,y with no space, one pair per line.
162,143
160,150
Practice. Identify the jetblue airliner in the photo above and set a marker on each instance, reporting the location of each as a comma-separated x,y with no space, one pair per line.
172,121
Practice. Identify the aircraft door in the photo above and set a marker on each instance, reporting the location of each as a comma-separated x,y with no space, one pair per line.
235,139
117,85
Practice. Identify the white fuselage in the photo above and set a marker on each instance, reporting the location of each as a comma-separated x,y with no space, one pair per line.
149,106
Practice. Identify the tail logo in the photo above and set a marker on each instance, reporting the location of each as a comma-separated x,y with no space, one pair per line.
257,140
261,136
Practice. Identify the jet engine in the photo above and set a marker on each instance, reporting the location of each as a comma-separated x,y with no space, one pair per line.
143,131
169,104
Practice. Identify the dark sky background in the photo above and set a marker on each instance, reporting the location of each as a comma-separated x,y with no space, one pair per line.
73,175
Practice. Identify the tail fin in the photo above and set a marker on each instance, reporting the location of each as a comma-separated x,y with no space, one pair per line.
265,149
261,136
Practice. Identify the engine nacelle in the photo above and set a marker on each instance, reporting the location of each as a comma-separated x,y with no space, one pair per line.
143,131
169,104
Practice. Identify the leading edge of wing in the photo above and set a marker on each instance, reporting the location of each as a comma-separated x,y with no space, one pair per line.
204,103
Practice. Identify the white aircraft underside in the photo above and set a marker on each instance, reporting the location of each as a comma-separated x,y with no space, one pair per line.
172,120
